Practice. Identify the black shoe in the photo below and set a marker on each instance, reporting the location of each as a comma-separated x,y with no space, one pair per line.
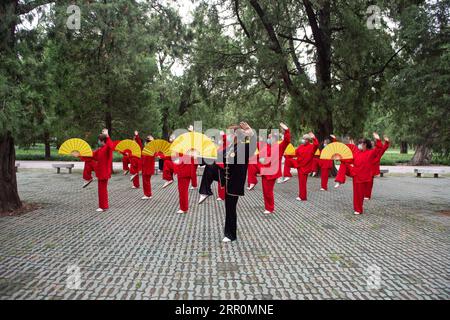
87,183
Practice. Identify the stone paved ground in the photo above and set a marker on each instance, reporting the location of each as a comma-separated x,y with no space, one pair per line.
144,250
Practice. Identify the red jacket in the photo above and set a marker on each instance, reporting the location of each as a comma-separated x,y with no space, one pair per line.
104,157
363,161
376,164
305,155
147,162
272,164
183,166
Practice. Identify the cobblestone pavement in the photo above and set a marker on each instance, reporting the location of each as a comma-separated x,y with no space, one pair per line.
144,250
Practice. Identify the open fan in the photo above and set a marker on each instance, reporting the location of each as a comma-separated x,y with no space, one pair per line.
157,146
194,143
75,145
290,150
336,151
317,152
129,145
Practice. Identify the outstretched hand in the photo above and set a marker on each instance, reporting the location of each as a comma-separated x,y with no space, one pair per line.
105,132
246,129
386,138
190,128
283,126
376,136
311,134
136,133
333,136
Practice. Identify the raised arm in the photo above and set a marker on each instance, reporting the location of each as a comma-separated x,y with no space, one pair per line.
138,140
286,138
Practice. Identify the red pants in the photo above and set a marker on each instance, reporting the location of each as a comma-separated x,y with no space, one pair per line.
267,188
103,194
136,181
324,177
315,164
147,184
183,192
125,163
252,171
302,182
288,164
167,170
343,170
358,195
221,191
368,190
87,171
194,176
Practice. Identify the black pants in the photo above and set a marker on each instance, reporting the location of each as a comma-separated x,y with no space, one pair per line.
230,216
210,174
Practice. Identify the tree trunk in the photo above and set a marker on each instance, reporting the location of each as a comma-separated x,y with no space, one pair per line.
47,145
9,196
108,122
403,147
422,156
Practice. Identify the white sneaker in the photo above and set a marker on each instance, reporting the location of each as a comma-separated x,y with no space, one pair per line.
99,210
146,198
203,197
181,211
286,179
168,183
192,188
298,199
87,183
357,213
313,174
226,239
366,198
133,176
322,189
267,211
219,199
133,187
337,185
250,187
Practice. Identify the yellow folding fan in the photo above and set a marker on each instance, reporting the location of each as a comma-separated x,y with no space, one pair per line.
317,152
194,143
157,146
336,151
130,145
290,150
75,145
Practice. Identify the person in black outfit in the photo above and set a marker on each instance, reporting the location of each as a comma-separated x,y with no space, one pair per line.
233,172
210,174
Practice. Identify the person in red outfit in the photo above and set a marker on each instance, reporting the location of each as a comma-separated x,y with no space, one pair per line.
270,166
361,170
305,154
315,164
376,168
168,167
148,169
125,162
89,167
289,163
183,169
103,156
253,167
343,170
325,165
135,163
